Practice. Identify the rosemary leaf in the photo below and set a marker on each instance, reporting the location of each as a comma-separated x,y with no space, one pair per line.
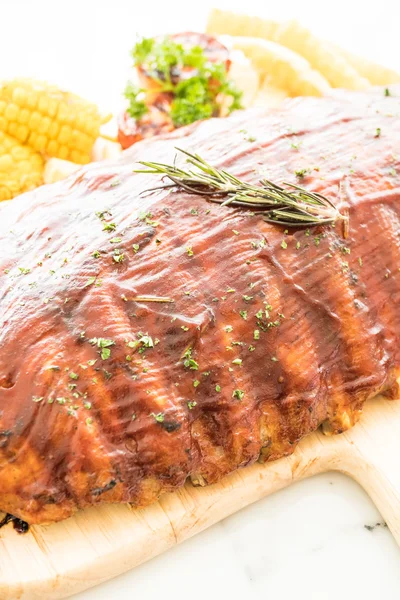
287,204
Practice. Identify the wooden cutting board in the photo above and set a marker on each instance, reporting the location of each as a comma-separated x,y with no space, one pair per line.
62,559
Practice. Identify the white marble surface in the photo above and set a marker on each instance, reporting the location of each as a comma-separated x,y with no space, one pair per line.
305,542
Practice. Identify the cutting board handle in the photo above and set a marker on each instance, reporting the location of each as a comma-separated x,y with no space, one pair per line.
372,458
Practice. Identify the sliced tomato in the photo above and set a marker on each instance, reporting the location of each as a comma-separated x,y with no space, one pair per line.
153,123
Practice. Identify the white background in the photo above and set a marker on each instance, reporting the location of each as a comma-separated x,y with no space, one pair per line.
307,542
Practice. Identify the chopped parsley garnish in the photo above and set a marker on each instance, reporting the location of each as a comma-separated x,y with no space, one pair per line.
228,328
159,417
256,334
135,248
109,227
96,254
378,132
189,362
196,383
104,344
191,405
73,375
105,353
387,92
90,281
146,340
115,240
24,271
300,173
237,361
283,244
118,256
238,394
243,314
189,251
217,388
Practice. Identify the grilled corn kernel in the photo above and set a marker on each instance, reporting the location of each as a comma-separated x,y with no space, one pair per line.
57,123
21,168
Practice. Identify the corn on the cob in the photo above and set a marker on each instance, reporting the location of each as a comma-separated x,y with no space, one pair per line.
21,168
51,121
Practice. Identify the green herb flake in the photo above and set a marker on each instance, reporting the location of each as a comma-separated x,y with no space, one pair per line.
105,353
191,405
189,250
243,314
96,254
90,281
238,394
378,132
115,240
387,92
283,244
228,328
237,361
109,227
89,421
235,231
146,340
135,248
189,361
196,383
218,388
298,245
248,298
24,271
37,398
73,375
118,256
300,173
159,417
256,334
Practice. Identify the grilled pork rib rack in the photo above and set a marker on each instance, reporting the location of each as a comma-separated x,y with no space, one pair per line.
148,338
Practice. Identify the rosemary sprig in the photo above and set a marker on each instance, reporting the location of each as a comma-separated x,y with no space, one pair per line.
291,205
